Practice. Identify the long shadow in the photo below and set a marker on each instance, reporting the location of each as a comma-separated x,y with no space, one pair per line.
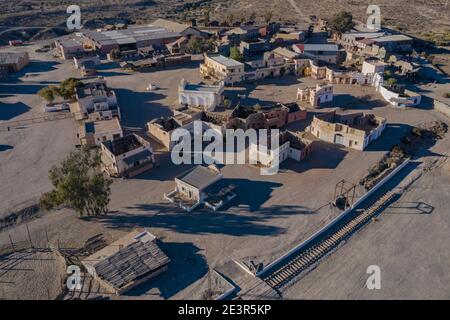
19,88
323,156
35,66
410,208
138,108
187,265
201,221
12,110
251,193
5,147
110,73
393,134
185,65
347,101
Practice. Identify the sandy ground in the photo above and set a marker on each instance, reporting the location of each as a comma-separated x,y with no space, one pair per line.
31,275
27,152
409,242
270,215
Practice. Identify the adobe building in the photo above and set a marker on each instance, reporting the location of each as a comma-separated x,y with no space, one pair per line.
292,145
13,62
354,130
222,68
93,133
95,101
127,156
319,96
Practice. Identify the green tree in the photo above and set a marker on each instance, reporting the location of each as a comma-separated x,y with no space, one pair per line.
78,183
195,45
48,93
342,22
230,19
67,88
252,16
236,55
390,82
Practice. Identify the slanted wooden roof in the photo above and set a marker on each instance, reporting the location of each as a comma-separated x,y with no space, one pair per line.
131,263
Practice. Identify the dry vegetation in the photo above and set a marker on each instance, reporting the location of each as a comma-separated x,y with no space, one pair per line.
416,16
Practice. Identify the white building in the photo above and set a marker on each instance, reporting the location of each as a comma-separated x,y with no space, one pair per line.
95,101
372,66
316,96
207,97
93,133
292,145
201,185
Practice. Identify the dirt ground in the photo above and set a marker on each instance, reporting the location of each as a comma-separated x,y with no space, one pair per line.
270,215
31,275
409,242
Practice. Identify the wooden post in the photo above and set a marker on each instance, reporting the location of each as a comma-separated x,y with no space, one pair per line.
48,242
29,236
12,243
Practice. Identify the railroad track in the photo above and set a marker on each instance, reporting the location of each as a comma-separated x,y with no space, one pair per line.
308,258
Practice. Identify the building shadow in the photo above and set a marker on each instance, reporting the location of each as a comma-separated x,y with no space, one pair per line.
417,207
323,156
137,108
187,265
5,147
198,222
9,111
347,101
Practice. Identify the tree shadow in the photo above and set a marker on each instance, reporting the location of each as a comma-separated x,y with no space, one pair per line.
187,265
9,111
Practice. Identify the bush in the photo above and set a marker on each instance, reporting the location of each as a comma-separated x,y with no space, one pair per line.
236,55
342,22
417,132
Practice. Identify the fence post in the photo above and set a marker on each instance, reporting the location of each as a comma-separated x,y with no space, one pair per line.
12,243
29,236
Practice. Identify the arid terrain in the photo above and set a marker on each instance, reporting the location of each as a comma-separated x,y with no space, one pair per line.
32,19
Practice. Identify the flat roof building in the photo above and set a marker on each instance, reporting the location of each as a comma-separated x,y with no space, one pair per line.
93,133
206,97
354,130
126,156
222,68
131,38
201,185
13,61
